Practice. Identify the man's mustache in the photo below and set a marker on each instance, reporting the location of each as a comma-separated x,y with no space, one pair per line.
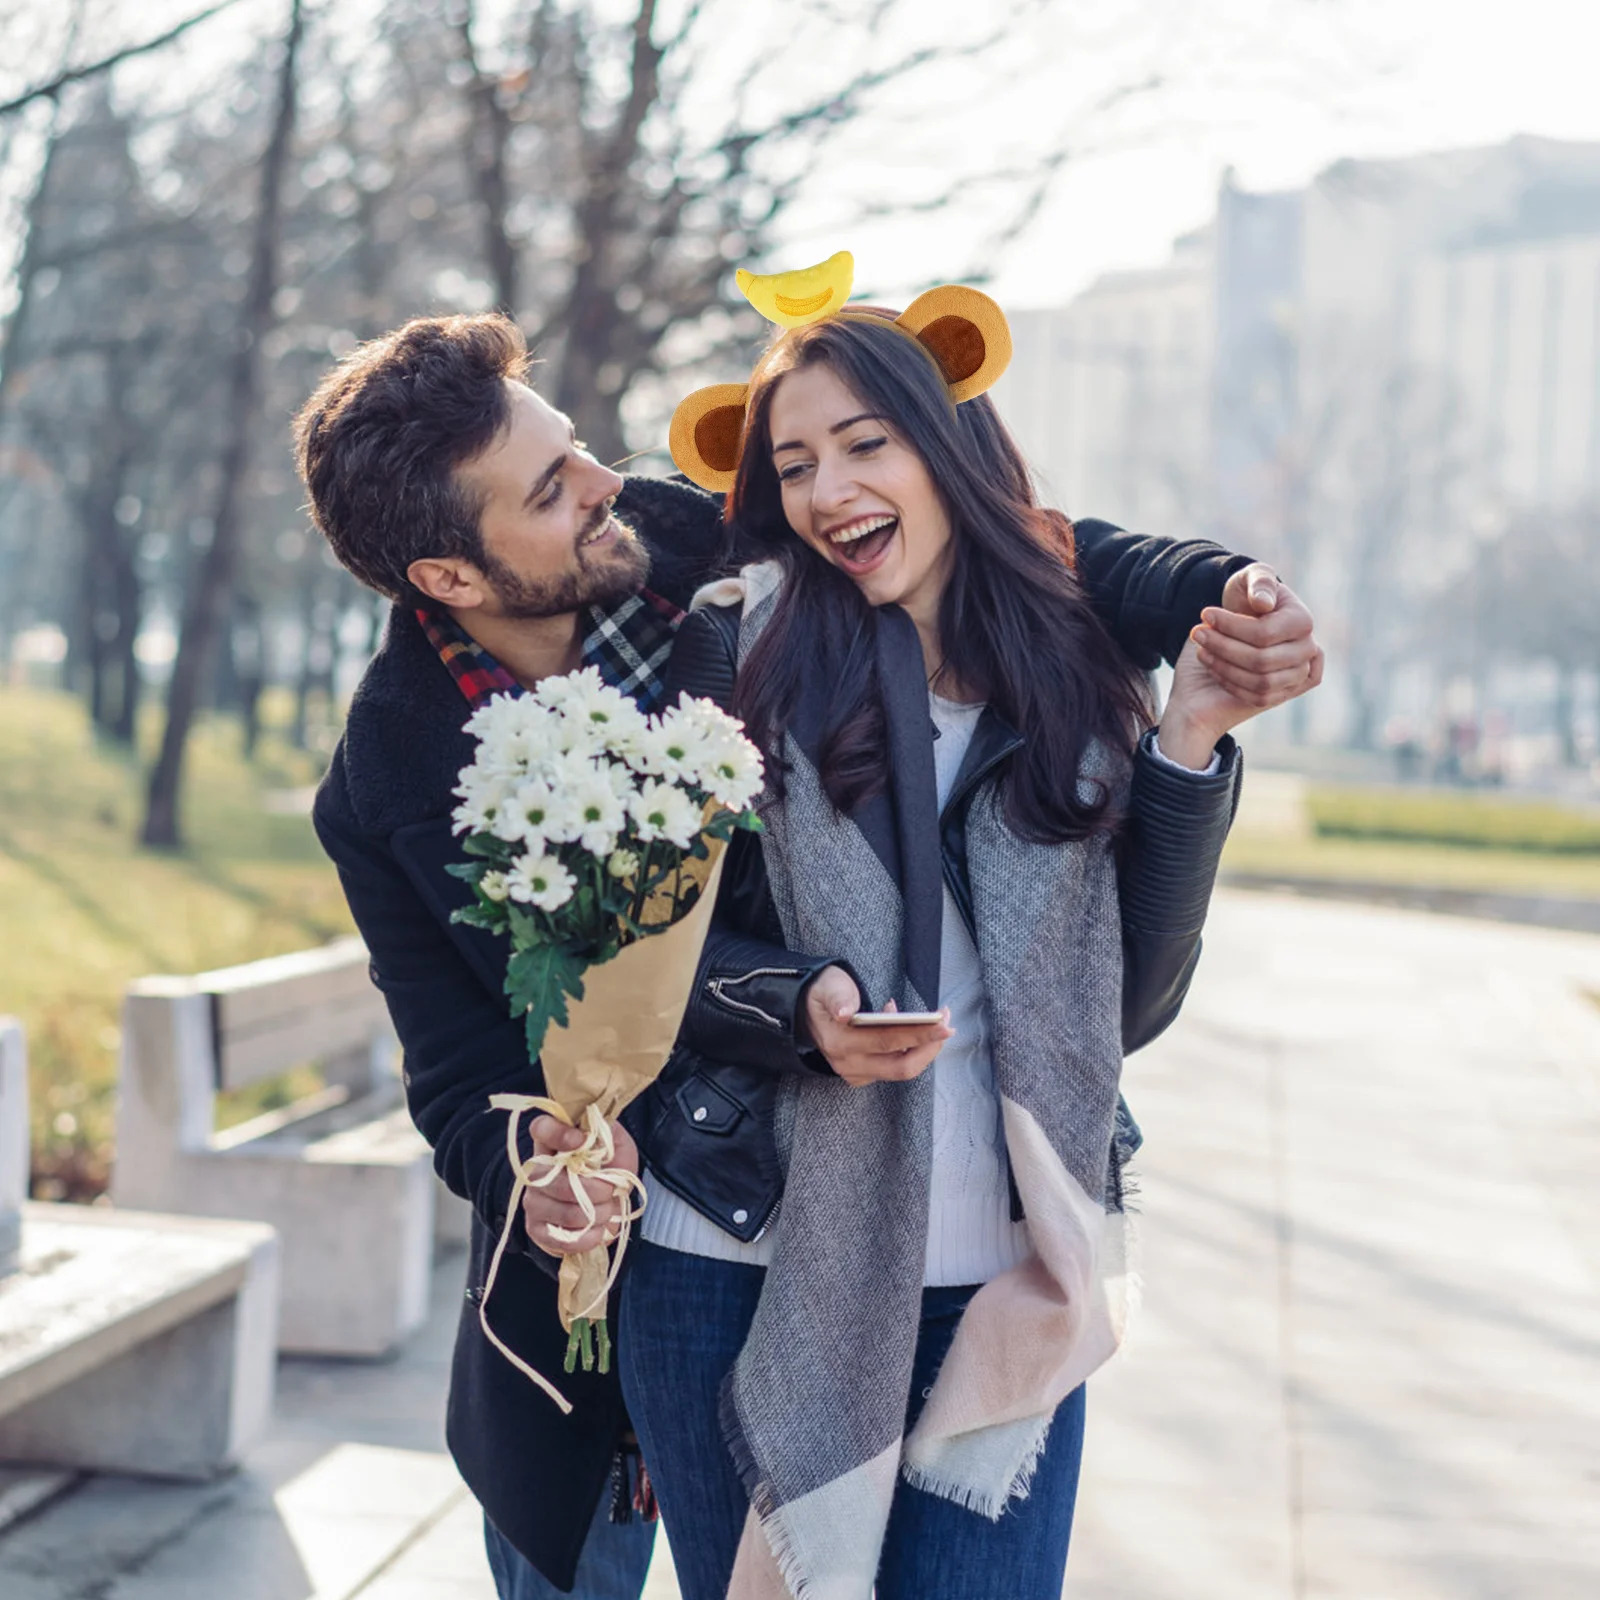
600,518
606,513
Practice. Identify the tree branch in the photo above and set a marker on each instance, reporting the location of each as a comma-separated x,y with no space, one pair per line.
48,91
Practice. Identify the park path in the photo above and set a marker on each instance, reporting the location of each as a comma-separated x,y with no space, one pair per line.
1367,1365
1368,1362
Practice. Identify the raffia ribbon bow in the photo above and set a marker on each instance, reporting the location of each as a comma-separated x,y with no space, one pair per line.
586,1280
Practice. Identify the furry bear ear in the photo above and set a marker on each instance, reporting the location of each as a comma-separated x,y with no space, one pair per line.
965,332
705,433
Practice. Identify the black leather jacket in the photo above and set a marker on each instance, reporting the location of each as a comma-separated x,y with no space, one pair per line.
706,1127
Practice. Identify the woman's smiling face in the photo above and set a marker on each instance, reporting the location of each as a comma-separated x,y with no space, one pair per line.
857,493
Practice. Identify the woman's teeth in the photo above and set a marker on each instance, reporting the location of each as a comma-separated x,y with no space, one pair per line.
857,531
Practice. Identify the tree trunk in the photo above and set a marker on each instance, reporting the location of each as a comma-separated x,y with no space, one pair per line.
305,678
591,383
28,267
489,130
123,724
1566,712
206,605
247,651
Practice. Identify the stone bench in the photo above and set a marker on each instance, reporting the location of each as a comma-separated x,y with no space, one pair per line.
128,1342
342,1175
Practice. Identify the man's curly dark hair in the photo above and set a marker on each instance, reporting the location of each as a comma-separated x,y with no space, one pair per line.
379,442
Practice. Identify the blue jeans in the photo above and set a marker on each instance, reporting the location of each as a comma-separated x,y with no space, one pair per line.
686,1318
615,1559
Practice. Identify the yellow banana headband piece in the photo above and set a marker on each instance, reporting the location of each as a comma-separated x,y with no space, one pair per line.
962,329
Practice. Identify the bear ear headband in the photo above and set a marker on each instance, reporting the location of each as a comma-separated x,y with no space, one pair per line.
962,329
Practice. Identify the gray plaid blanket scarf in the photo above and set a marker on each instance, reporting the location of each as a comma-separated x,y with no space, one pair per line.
814,1409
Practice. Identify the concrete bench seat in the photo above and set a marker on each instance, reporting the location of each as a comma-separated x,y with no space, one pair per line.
128,1342
341,1175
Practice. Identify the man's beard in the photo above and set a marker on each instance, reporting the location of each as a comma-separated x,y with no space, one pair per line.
611,577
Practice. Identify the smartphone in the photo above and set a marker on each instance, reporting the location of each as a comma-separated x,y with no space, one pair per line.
895,1019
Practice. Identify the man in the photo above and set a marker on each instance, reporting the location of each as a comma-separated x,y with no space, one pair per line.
443,481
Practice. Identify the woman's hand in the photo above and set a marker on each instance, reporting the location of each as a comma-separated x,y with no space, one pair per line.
1255,651
557,1205
867,1055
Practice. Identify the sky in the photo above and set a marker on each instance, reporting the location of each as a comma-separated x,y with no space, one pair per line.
1276,89
1290,88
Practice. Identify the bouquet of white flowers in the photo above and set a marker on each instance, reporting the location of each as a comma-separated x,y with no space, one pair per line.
595,835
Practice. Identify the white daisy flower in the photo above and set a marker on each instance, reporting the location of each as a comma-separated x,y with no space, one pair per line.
732,772
532,815
624,783
559,691
595,814
540,881
673,749
664,811
622,863
495,718
494,885
482,794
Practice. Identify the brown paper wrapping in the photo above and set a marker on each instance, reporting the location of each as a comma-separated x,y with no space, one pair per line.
618,1038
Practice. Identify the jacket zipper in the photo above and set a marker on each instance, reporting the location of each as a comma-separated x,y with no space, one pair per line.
717,987
772,1217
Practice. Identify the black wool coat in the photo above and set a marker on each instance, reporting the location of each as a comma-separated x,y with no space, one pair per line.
383,815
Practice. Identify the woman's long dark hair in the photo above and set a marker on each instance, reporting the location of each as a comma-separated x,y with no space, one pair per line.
1014,624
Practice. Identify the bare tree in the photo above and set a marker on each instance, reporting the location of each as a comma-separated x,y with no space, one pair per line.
67,76
489,131
612,202
209,594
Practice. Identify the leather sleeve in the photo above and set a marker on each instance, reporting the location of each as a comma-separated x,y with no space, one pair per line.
1177,824
705,656
748,1000
1149,592
749,995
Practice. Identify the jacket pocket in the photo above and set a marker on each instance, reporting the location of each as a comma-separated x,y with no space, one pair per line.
708,1107
724,1163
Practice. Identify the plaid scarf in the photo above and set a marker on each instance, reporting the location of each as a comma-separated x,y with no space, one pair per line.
629,643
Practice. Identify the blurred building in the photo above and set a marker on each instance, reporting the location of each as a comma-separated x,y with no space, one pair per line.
1108,395
1375,374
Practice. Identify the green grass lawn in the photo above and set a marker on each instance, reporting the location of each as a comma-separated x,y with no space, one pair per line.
1473,820
1390,861
1437,838
83,910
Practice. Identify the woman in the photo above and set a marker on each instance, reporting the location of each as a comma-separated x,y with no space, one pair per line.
884,1385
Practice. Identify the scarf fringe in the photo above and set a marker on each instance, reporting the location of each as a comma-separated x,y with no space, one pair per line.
757,1490
762,1500
969,1496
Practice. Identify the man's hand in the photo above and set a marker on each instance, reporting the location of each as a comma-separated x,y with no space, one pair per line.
1260,643
1257,650
557,1204
867,1055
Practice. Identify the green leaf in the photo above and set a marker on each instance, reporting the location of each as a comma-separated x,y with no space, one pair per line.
469,870
490,916
538,981
485,844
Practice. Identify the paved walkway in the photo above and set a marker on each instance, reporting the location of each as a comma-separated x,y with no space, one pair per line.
352,1495
1367,1367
